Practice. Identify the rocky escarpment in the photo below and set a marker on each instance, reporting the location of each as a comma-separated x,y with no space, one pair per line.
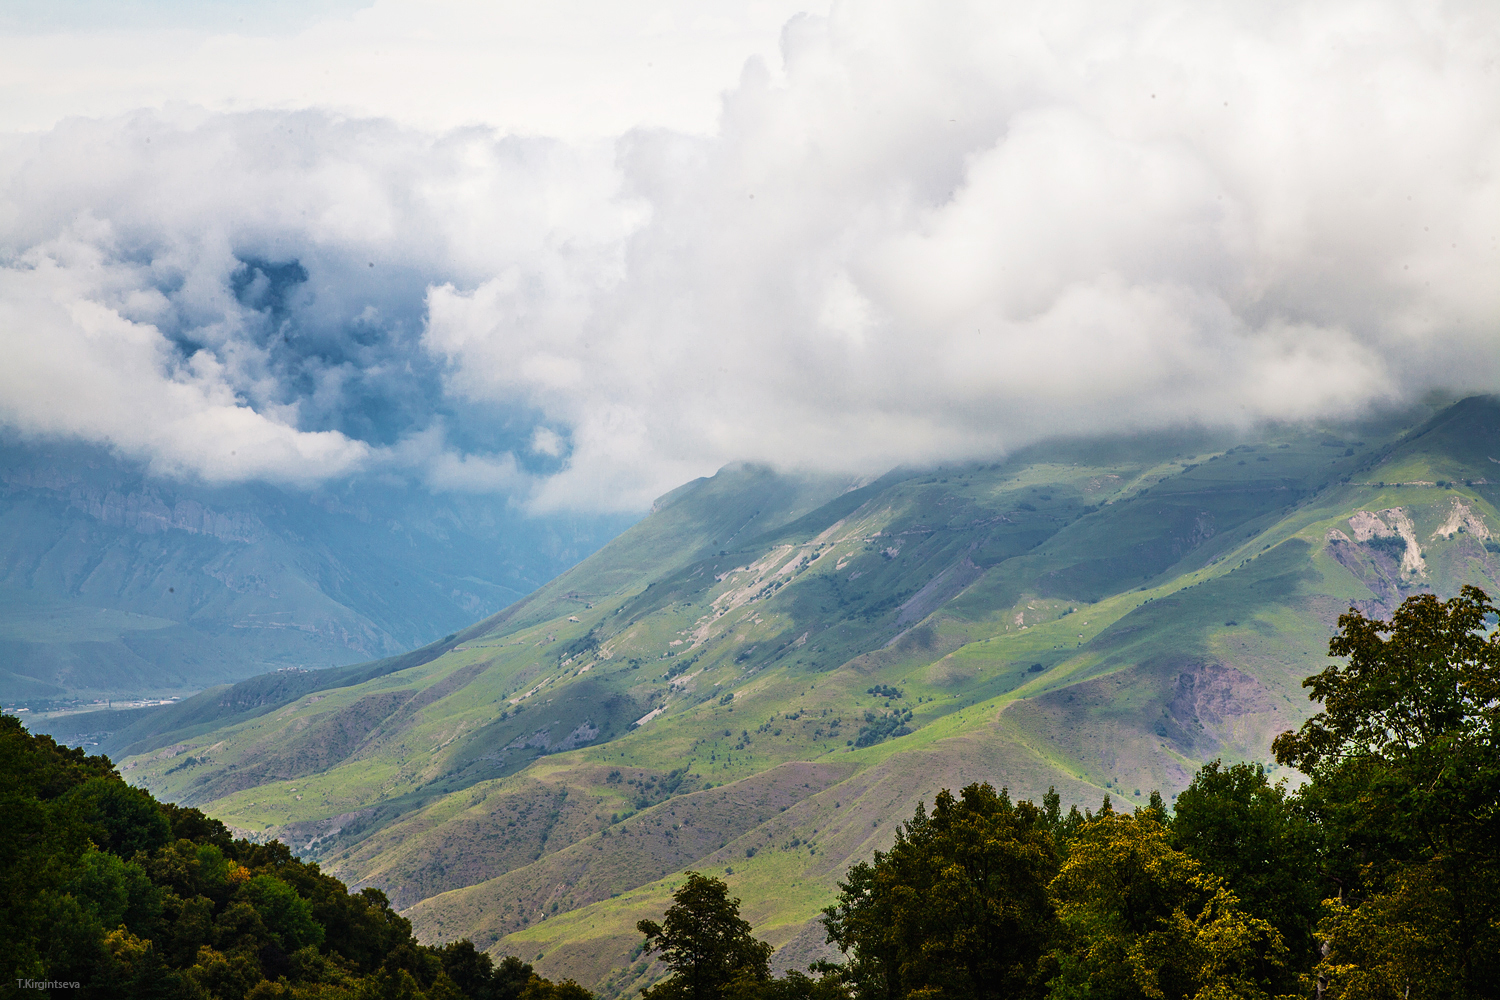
143,510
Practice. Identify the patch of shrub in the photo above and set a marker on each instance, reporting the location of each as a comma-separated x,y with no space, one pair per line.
879,728
1391,545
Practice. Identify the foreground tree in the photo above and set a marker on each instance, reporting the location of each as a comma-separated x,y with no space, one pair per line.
1405,766
1140,919
957,907
479,976
1257,838
705,943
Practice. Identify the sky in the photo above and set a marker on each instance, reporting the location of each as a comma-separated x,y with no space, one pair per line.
575,254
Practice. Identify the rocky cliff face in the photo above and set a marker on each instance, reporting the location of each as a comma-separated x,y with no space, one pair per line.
143,510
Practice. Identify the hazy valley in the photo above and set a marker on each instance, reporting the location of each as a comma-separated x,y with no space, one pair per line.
117,585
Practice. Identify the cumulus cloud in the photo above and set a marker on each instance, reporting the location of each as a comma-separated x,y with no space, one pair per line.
922,235
75,367
243,296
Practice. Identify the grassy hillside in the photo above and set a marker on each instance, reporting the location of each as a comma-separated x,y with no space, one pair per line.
761,678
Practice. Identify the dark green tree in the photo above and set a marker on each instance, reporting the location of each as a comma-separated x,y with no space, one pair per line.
958,905
1405,766
1255,837
103,885
793,986
510,977
43,838
480,977
538,988
121,819
705,943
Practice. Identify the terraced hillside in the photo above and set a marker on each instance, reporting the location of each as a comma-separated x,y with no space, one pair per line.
768,673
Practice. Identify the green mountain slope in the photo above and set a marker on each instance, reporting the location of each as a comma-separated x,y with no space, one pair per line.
765,675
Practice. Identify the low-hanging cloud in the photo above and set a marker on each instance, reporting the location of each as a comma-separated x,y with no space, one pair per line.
927,235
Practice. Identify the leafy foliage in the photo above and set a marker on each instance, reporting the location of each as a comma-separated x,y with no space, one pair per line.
1433,686
705,942
985,898
1405,768
1259,840
713,956
1141,919
958,904
878,728
102,885
1377,880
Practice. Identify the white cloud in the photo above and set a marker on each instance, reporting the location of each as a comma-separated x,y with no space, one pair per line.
77,368
264,276
546,441
921,235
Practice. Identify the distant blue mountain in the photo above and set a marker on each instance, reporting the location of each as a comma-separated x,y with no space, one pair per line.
117,584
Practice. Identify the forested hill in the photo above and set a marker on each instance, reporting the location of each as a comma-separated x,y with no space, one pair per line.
107,893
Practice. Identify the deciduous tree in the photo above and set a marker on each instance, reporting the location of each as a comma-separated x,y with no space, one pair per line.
1255,837
705,943
1141,920
958,905
1405,766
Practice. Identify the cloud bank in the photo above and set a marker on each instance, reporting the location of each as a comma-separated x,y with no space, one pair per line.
927,234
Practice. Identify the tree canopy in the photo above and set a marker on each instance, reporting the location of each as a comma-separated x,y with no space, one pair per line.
102,885
1404,761
705,942
1140,919
958,904
1258,839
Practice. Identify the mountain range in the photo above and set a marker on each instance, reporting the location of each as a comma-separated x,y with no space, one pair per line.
116,584
764,676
